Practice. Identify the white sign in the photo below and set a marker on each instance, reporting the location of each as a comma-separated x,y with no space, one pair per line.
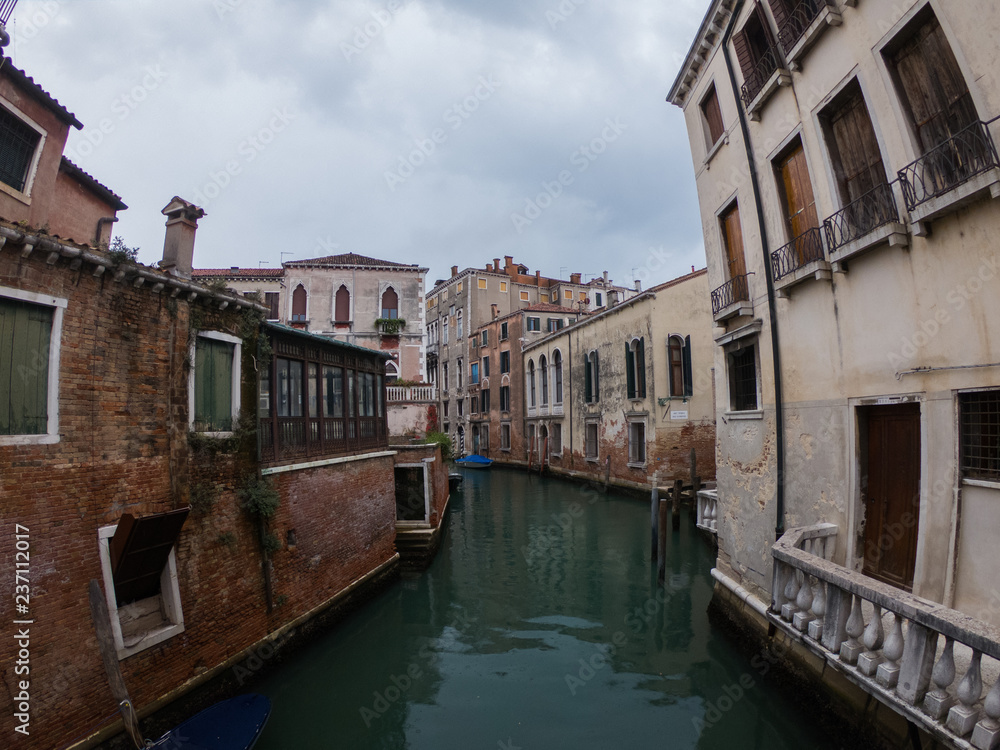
887,400
679,415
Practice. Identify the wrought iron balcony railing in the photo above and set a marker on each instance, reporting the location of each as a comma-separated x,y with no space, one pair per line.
737,289
968,153
762,72
872,210
804,249
797,21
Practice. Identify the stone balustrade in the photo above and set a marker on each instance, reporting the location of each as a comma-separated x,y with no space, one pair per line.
708,511
396,394
857,624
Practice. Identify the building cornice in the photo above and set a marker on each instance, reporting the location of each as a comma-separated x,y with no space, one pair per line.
709,35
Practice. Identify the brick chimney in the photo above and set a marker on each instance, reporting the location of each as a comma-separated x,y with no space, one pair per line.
178,242
538,278
454,271
496,264
638,285
574,278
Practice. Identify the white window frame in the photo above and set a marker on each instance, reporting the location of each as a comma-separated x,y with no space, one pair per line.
505,444
169,591
237,362
29,180
552,428
597,440
58,305
631,421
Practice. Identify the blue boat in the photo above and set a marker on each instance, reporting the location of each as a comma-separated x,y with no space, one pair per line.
234,724
474,461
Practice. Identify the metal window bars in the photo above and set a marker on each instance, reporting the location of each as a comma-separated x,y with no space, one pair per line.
737,289
801,251
797,21
862,216
762,72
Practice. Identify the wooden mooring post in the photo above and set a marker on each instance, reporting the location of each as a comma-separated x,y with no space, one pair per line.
661,547
695,482
654,512
607,474
675,519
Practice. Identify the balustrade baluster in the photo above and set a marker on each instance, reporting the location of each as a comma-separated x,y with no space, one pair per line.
986,735
838,609
818,610
780,575
852,648
887,674
962,719
918,661
938,701
803,602
874,637
713,513
788,609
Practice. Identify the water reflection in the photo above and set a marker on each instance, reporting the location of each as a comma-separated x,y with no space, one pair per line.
540,625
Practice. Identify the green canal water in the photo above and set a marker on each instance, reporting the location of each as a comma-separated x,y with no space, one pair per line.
539,626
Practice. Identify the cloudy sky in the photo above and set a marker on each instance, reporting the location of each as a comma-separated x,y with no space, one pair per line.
438,132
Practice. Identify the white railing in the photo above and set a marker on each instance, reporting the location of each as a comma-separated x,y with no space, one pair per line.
844,616
397,394
708,511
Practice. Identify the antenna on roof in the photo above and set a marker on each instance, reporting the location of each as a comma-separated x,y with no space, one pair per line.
284,253
6,8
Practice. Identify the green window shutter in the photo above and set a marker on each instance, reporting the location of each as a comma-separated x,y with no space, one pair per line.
629,371
213,387
688,373
588,387
597,377
641,367
25,335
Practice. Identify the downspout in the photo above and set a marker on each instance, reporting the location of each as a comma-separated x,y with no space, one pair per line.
100,227
779,526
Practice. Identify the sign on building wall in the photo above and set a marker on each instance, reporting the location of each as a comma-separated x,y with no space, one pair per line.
680,415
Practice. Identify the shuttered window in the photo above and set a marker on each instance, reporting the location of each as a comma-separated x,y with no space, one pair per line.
713,116
592,386
856,156
635,369
800,206
756,53
18,142
732,240
505,398
271,301
390,307
213,386
139,551
342,305
934,91
299,298
25,334
591,442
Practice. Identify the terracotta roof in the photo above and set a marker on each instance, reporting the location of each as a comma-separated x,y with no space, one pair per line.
239,273
549,307
672,282
28,83
350,259
91,182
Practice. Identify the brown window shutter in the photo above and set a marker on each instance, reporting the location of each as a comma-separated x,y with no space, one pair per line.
342,312
139,551
713,116
780,13
743,55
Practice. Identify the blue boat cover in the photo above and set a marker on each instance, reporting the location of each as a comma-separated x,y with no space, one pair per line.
474,459
234,724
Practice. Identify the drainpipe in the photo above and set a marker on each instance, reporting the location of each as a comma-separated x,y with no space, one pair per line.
779,526
100,227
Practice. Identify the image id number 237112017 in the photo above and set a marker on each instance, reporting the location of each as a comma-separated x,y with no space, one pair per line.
22,629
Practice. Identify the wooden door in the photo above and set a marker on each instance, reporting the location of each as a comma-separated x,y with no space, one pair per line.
733,240
800,206
858,159
891,493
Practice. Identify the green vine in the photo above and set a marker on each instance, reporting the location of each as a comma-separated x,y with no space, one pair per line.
259,499
390,326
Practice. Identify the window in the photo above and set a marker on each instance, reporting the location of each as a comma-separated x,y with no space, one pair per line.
742,364
447,325
857,161
505,398
474,404
214,382
591,377
679,366
543,297
712,117
636,443
797,195
289,394
567,294
598,299
481,283
446,405
342,305
554,324
557,376
484,438
635,368
474,373
582,297
271,302
461,285
543,371
459,328
461,374
486,338
18,143
299,304
757,55
555,441
30,337
590,446
390,304
732,241
531,383
486,367
445,379
505,437
504,362
139,567
534,324
461,406
503,286
980,435
524,296
484,401
332,387
503,331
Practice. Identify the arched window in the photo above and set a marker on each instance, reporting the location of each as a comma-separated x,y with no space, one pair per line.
679,363
342,306
592,380
299,304
390,303
635,367
557,376
531,382
391,371
543,371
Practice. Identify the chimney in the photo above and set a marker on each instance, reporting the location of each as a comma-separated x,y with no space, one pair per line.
638,285
605,278
178,242
496,264
692,269
454,271
489,267
494,311
574,278
538,278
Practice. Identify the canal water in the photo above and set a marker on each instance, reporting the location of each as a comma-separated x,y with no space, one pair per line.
539,626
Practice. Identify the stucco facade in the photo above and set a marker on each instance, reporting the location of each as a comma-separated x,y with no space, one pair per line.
878,311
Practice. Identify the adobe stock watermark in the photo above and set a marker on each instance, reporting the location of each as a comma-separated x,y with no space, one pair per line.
248,150
122,106
364,34
562,12
454,116
957,298
581,158
27,26
224,7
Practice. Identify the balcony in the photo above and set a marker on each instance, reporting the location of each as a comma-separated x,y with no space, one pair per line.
803,26
732,299
959,171
395,394
871,220
708,511
801,259
765,79
855,624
